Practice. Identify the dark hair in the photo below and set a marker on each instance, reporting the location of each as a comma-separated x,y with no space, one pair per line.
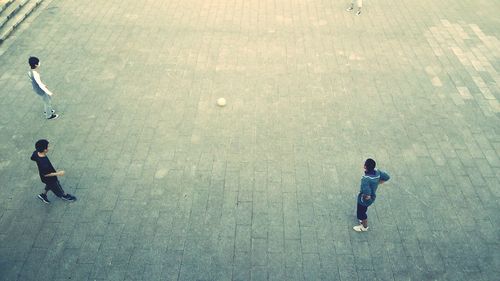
41,145
33,61
370,165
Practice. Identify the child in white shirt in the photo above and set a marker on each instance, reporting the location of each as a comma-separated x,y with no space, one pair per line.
40,88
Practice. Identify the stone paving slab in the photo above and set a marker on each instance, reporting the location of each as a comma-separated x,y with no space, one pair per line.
172,187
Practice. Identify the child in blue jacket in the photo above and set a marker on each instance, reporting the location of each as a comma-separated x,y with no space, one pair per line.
367,194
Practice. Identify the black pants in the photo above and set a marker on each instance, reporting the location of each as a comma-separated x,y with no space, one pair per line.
56,188
361,212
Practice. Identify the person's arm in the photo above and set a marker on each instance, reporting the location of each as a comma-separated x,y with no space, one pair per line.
42,86
383,177
55,174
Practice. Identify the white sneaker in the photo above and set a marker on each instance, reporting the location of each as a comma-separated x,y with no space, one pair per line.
360,228
349,9
358,12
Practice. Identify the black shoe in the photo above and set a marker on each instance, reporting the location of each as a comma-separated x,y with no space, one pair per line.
53,116
43,197
68,197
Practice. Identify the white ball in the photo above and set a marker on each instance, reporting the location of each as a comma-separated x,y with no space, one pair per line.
221,102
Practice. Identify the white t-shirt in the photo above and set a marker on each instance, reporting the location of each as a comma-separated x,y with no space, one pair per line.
36,82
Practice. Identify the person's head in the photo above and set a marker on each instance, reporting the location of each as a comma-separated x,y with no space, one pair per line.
42,145
34,62
370,165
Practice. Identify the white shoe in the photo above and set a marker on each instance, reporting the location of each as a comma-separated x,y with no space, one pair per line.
360,228
358,12
349,9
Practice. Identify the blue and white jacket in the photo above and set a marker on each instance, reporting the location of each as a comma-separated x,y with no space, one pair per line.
369,185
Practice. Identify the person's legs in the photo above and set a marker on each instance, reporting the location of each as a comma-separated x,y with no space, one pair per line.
56,188
362,217
47,105
361,212
360,4
59,192
351,7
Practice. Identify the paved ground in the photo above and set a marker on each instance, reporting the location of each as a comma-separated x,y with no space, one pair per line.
172,187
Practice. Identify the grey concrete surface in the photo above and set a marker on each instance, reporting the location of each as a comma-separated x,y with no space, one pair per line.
173,187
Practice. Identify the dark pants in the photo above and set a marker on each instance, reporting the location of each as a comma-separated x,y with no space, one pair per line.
56,188
361,212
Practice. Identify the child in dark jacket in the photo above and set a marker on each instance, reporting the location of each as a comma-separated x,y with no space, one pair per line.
48,174
368,192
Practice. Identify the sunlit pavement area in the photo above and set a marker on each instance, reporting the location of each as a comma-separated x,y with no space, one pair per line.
171,186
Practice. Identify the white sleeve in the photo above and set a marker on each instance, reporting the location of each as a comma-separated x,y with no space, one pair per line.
42,86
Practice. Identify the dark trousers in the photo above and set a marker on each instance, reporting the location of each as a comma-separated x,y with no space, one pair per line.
56,188
361,212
